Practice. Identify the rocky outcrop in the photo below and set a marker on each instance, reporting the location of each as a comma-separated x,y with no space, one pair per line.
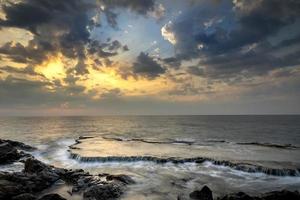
37,176
8,153
11,151
29,181
18,145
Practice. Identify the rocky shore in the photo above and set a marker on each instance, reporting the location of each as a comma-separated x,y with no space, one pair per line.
37,176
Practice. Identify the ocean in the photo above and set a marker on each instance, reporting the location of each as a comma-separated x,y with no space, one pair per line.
253,154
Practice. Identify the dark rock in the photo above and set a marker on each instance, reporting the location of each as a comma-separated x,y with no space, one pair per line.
281,195
9,189
239,196
181,197
103,192
52,197
204,194
276,195
34,166
8,153
72,176
36,177
18,145
121,177
24,196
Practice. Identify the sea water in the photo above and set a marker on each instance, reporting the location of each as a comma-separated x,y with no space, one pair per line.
125,144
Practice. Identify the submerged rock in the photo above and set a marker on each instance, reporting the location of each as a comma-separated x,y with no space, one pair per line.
204,194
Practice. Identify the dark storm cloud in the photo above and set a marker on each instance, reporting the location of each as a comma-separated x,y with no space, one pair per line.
233,40
24,54
172,62
65,27
58,26
146,66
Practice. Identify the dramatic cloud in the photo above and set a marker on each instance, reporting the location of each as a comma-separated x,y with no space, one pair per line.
114,54
238,39
65,27
147,66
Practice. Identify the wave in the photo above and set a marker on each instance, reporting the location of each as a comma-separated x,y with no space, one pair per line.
241,166
246,167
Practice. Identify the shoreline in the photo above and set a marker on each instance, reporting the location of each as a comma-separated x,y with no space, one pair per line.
36,177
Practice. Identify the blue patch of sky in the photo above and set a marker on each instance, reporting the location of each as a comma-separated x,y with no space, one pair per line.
139,33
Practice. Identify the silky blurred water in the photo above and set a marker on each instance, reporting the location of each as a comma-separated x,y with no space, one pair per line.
215,134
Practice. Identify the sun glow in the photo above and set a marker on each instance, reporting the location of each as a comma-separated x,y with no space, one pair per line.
53,68
109,79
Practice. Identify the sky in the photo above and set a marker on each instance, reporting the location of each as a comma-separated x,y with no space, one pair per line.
149,57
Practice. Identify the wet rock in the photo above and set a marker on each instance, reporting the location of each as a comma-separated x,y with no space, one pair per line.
35,166
36,177
9,188
24,196
121,177
204,194
18,145
281,195
44,174
8,153
103,192
239,196
52,197
182,197
72,176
